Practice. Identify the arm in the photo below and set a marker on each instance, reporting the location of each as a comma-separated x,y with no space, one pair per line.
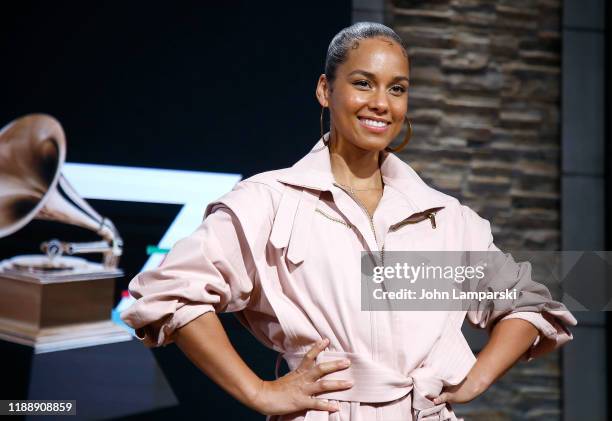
509,340
204,272
532,325
212,271
205,343
534,303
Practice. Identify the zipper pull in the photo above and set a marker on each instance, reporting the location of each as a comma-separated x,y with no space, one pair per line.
432,218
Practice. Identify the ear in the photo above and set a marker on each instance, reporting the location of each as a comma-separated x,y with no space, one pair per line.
322,91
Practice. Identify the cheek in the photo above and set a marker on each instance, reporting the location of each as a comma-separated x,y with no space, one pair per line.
352,104
348,108
351,101
399,109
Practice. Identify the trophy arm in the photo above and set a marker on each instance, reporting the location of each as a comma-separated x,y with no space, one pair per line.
64,204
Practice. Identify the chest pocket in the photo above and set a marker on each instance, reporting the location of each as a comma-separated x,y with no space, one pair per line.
324,211
291,228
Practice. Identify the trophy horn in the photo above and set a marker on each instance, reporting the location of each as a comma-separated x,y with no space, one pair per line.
32,152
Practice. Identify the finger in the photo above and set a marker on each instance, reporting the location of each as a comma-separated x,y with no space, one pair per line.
322,386
322,369
444,397
310,357
323,405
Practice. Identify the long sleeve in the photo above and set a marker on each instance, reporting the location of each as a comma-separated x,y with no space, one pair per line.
534,302
203,272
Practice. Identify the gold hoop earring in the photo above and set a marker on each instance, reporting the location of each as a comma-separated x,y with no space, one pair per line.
404,142
325,142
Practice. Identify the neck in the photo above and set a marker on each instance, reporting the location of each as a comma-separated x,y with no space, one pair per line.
353,166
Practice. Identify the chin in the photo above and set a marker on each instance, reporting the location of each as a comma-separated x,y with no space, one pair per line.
372,145
374,142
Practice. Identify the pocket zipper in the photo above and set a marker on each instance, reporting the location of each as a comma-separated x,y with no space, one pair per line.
418,217
331,218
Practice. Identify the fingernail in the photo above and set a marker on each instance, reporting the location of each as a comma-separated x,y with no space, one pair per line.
348,383
323,342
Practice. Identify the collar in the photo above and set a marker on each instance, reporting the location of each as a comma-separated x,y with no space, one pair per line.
313,171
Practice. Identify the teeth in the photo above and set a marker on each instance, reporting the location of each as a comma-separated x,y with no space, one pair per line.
374,123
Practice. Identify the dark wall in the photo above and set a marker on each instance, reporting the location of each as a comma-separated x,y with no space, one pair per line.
210,86
213,86
608,177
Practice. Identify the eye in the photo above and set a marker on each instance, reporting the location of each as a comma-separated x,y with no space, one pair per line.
398,89
361,83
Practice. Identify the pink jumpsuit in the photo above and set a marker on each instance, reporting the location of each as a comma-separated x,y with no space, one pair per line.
283,249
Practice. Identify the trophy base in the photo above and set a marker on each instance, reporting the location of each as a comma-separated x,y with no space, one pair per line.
58,304
60,338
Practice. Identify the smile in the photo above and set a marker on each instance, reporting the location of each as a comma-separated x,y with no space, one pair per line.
376,126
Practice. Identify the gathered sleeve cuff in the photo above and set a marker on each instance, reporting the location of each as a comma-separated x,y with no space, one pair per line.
158,334
534,302
552,330
211,270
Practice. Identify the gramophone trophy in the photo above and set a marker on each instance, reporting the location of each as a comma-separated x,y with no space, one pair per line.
52,301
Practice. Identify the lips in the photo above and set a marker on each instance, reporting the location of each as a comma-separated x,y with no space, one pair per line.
374,124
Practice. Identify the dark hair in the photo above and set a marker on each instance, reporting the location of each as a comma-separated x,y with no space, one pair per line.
349,37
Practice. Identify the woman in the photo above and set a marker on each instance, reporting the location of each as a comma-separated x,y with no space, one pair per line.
283,249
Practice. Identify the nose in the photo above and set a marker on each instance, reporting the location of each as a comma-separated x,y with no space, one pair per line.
379,102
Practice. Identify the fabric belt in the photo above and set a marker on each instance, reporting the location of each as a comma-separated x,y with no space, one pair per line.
374,382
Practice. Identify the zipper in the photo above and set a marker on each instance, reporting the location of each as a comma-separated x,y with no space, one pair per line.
432,218
418,217
331,218
361,205
373,339
412,219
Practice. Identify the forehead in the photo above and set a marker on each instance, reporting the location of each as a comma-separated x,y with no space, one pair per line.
377,55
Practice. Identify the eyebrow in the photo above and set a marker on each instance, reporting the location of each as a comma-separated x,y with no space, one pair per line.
372,76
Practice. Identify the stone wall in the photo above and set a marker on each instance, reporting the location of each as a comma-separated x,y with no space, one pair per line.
484,102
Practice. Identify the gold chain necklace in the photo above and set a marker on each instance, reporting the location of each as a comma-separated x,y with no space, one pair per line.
354,189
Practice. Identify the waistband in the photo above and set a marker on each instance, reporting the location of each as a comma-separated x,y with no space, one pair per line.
374,382
448,362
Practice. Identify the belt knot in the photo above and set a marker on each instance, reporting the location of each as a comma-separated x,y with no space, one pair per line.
375,382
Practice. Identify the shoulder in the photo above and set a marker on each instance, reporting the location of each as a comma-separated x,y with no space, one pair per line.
475,229
258,193
253,202
432,195
267,180
402,177
462,214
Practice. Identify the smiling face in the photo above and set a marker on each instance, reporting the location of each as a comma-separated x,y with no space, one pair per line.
368,98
